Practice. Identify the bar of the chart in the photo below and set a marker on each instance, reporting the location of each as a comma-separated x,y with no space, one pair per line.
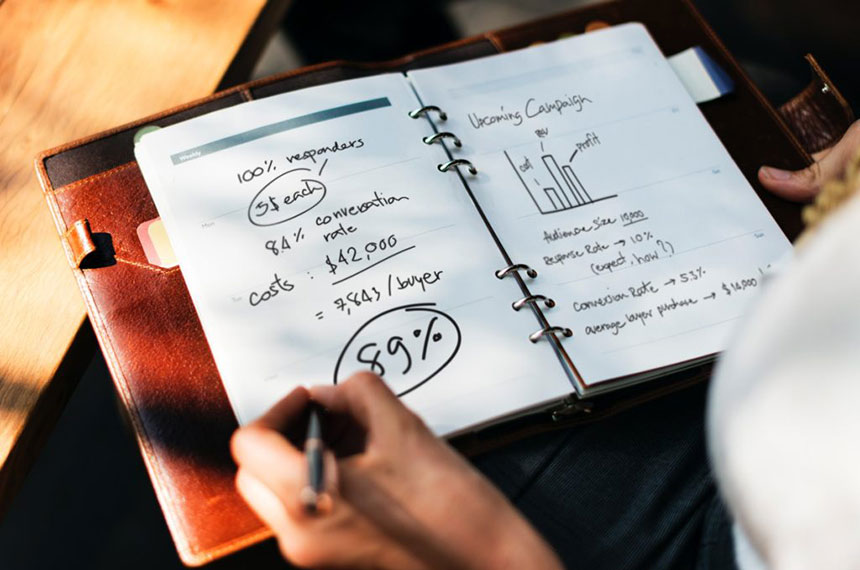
549,192
577,185
574,188
557,175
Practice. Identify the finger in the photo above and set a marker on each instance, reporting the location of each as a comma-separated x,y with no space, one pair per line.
262,500
280,415
298,539
816,156
368,399
797,186
803,185
272,460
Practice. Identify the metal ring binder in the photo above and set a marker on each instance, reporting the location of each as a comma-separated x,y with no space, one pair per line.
548,303
446,166
512,269
537,335
572,407
502,273
444,135
417,113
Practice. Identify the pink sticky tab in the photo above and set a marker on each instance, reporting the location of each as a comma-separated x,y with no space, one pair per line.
156,245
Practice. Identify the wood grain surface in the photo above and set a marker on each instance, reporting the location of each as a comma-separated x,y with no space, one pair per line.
68,69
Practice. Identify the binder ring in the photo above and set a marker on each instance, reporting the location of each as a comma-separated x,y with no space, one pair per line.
445,135
548,303
446,166
537,335
417,113
502,273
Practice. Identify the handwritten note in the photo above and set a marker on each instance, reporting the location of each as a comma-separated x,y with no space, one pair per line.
317,238
598,170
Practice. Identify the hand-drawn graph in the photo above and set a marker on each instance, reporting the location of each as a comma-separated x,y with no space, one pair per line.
552,188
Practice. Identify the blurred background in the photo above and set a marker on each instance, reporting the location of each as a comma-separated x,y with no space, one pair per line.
769,37
88,502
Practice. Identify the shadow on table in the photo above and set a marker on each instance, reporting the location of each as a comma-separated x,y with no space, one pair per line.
88,502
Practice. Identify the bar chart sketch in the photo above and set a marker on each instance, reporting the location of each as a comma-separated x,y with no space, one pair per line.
552,187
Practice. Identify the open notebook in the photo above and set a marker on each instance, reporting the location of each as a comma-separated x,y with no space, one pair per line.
326,230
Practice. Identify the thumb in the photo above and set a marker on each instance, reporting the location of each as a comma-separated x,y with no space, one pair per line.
804,185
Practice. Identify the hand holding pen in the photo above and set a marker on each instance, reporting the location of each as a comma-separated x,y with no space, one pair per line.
386,493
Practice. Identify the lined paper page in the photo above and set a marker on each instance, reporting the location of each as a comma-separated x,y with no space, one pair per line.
598,170
317,238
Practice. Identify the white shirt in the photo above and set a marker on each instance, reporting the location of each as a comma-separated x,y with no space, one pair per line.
784,410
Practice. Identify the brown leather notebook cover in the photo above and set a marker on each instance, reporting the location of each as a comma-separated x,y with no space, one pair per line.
150,334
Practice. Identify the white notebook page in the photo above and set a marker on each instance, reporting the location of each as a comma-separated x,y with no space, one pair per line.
317,238
598,170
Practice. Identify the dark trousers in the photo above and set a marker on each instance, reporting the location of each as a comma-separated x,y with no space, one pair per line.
631,491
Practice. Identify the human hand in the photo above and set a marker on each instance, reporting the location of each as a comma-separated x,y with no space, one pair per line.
398,497
804,185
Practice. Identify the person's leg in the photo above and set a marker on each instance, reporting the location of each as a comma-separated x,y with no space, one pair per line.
631,491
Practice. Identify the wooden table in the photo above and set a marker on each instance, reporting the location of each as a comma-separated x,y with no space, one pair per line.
69,69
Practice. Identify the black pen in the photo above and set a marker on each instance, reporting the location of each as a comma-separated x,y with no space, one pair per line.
310,495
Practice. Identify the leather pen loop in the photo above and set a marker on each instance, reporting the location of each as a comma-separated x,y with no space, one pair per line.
79,239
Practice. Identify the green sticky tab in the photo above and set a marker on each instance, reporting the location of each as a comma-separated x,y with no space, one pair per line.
142,131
